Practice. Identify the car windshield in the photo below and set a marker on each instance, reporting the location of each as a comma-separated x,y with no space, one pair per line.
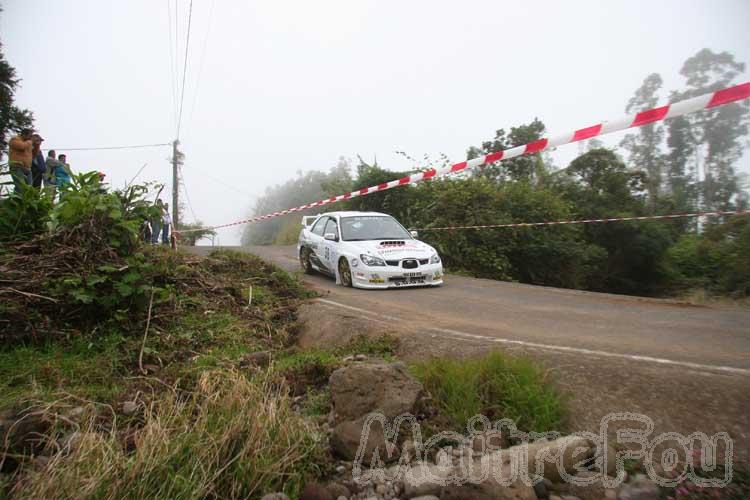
372,227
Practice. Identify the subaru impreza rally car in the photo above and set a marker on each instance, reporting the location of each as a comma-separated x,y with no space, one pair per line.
367,250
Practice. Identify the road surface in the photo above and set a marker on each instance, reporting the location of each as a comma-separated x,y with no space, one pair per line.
605,324
686,367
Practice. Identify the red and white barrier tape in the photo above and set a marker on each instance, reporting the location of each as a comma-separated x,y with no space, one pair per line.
706,101
585,221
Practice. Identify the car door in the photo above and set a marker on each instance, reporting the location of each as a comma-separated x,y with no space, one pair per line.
330,248
316,244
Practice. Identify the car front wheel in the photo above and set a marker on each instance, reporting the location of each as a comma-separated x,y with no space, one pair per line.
345,273
304,260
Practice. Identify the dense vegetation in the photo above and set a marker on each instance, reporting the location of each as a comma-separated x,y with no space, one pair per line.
119,361
682,165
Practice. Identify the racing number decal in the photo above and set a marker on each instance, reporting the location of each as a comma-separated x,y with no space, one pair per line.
328,253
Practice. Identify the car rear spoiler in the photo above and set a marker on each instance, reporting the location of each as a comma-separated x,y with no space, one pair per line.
308,220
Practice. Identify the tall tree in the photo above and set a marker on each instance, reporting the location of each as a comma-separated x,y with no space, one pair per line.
644,146
600,186
12,118
704,147
529,168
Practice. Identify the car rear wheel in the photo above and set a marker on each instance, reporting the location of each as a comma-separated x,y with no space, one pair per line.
345,273
304,260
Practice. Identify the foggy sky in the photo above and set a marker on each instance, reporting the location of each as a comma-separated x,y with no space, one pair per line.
287,86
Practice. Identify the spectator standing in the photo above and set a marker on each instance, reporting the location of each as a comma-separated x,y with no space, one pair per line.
166,221
146,231
19,158
156,223
102,185
50,165
38,165
62,173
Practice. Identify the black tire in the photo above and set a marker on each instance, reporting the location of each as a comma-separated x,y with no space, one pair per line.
304,261
345,272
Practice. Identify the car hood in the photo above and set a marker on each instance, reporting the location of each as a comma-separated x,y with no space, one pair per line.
394,249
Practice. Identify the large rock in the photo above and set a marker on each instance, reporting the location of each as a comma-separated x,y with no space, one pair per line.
569,453
361,388
487,479
346,438
425,479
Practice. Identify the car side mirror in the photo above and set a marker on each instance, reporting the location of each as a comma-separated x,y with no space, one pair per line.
414,234
330,237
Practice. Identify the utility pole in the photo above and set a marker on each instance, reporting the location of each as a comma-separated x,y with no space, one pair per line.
176,162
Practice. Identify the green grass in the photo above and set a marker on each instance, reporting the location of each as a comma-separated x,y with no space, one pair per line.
85,368
317,403
497,386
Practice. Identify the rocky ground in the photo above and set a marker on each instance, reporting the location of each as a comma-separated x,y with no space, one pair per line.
389,465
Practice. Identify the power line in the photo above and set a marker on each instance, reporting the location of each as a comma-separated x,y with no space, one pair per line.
173,69
114,147
202,59
176,47
184,68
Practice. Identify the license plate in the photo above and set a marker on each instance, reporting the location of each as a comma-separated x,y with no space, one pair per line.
413,281
413,275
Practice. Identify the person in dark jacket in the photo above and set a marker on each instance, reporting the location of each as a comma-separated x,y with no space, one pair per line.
38,165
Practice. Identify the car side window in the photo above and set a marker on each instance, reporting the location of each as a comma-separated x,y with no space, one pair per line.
319,225
332,227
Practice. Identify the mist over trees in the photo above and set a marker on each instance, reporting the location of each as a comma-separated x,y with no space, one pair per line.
681,165
304,188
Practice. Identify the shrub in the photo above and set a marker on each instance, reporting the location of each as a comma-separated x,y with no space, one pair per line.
24,214
83,266
553,256
496,386
718,260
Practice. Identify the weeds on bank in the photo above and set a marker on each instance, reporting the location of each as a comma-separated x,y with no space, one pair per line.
316,365
497,386
91,368
230,438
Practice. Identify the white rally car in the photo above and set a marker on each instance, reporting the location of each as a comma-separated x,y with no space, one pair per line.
367,250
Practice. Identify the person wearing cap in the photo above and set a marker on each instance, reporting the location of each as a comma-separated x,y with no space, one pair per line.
19,158
38,165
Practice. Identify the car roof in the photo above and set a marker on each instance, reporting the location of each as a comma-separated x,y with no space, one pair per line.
354,214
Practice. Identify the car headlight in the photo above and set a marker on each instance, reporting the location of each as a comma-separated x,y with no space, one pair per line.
371,260
435,259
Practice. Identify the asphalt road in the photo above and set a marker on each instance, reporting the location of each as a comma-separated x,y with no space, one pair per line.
620,328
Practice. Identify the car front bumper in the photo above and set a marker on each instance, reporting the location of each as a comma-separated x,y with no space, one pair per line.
397,277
